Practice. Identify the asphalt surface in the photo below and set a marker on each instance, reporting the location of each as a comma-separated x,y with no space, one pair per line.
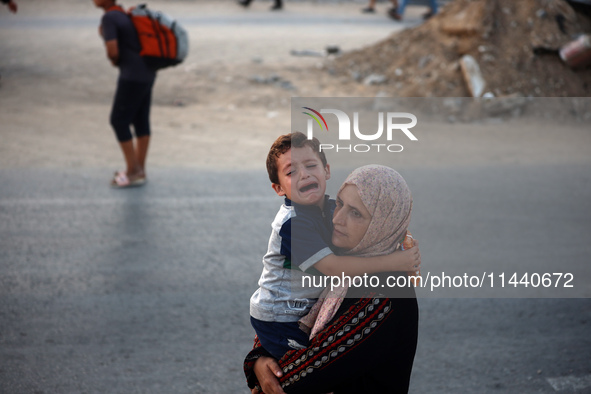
146,290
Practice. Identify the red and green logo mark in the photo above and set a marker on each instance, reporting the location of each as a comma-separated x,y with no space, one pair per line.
316,118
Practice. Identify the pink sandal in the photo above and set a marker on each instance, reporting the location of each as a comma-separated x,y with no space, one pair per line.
121,181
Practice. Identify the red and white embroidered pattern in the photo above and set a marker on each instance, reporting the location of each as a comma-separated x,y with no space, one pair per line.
347,332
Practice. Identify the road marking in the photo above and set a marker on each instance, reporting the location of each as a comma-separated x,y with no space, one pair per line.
570,382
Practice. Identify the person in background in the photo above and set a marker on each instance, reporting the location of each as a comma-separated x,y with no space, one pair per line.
399,12
11,5
133,97
371,6
277,6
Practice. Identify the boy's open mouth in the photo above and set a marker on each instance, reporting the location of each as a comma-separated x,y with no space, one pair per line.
309,187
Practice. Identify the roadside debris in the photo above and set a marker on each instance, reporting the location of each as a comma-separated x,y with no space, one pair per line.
307,52
472,75
272,79
577,53
516,45
375,79
329,50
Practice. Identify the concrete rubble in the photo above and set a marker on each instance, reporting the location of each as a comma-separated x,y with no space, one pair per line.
514,45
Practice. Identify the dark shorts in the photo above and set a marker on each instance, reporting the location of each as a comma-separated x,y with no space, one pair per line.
279,338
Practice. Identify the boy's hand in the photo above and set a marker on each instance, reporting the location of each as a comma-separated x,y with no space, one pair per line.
267,371
411,258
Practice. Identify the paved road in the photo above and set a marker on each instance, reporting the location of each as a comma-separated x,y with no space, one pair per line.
146,290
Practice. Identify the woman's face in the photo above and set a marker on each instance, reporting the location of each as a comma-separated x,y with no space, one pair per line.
351,219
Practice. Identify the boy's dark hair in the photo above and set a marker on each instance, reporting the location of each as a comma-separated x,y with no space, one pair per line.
286,142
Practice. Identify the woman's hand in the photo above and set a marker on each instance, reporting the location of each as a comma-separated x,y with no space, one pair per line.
409,260
268,371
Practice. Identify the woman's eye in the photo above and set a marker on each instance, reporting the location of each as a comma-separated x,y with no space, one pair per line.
356,214
311,166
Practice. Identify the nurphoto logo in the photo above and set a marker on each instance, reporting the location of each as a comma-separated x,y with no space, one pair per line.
393,127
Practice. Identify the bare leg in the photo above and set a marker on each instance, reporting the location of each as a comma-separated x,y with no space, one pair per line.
134,170
141,148
370,7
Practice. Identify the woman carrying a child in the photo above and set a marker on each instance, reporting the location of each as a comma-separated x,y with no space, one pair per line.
363,342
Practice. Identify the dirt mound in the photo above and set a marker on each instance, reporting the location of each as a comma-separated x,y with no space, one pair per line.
500,35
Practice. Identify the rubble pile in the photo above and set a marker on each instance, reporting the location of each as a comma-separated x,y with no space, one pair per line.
478,47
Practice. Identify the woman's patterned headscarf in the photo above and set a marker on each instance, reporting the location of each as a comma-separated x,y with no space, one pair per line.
387,197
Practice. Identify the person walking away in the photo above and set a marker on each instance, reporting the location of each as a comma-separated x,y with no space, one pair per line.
133,96
371,7
399,13
277,6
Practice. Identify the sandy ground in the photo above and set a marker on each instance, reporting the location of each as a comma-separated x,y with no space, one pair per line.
57,85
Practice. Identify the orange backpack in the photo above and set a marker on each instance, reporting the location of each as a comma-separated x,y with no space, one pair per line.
164,42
